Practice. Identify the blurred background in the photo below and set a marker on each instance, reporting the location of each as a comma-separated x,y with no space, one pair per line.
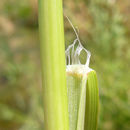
104,29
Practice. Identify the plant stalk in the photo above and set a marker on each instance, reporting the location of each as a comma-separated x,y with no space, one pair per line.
53,65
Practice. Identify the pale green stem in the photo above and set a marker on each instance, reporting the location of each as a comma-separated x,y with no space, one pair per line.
53,64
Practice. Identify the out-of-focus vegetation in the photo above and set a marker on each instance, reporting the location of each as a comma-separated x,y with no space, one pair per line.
104,29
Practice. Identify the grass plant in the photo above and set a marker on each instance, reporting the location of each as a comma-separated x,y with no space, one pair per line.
81,92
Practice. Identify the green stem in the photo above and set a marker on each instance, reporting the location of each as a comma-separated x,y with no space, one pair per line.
53,64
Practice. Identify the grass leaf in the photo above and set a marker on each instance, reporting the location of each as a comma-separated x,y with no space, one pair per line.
83,100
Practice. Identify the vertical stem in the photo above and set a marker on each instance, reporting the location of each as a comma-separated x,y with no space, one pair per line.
53,64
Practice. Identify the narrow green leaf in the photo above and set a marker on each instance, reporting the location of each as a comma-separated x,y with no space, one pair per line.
92,102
